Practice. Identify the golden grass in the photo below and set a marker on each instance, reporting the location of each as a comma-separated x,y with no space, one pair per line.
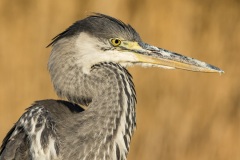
180,115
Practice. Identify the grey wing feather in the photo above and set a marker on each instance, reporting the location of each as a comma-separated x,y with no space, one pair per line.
21,141
15,146
34,136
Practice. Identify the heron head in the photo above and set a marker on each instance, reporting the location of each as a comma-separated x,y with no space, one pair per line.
101,38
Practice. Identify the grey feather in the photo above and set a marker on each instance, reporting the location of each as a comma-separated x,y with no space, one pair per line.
101,26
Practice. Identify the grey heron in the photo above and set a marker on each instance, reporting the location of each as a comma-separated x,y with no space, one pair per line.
87,66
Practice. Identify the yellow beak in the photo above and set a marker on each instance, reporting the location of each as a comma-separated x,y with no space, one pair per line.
148,54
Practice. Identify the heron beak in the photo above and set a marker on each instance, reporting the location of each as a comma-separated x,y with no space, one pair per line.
147,54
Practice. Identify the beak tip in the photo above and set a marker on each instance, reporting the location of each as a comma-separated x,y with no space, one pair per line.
215,69
221,72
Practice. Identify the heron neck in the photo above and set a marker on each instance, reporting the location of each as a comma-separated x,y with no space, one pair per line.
108,91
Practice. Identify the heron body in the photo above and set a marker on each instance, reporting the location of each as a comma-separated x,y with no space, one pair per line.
88,67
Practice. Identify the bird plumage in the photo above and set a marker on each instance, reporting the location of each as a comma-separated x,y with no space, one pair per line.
111,115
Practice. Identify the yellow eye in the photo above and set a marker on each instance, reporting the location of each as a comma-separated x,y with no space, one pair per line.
115,42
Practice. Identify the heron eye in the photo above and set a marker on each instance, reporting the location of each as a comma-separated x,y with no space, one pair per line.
115,42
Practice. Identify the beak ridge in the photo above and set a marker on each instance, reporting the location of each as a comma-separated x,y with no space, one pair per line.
167,59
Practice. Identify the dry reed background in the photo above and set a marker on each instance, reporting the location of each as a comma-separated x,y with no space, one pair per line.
181,115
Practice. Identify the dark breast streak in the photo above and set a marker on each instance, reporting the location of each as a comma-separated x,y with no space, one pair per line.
126,101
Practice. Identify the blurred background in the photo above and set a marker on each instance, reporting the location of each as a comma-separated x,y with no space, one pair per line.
180,115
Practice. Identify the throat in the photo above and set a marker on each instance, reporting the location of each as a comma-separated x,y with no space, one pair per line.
114,109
